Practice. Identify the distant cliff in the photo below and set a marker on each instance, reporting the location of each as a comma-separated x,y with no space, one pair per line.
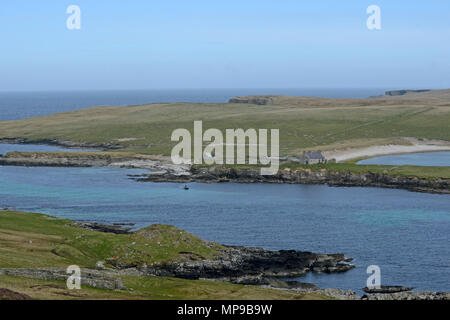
403,92
258,100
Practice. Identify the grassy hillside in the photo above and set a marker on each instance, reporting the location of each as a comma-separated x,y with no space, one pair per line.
153,288
429,172
29,240
304,123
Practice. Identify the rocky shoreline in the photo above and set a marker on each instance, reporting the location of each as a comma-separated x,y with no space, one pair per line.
305,176
235,264
59,143
250,265
162,171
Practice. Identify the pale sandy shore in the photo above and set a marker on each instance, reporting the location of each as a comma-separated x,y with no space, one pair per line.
374,151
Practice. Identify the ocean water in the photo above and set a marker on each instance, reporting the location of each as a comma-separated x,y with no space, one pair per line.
441,159
18,105
405,233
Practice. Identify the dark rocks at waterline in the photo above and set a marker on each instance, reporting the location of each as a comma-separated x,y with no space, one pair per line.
257,265
271,282
387,289
60,143
401,293
408,295
218,174
116,229
394,93
251,266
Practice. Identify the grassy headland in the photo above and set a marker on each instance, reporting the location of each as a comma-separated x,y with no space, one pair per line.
30,240
304,123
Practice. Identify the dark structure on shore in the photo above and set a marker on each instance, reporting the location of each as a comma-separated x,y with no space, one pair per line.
312,158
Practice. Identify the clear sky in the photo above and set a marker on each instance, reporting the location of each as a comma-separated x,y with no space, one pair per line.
139,44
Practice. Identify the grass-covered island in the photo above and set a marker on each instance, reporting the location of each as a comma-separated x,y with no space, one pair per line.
157,262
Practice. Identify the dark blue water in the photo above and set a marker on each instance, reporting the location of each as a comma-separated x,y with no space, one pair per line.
441,159
17,105
405,233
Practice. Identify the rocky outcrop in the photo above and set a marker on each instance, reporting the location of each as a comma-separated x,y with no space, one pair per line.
44,159
405,295
6,294
116,229
60,143
249,266
91,278
402,293
387,289
307,176
409,295
258,100
90,159
252,265
157,167
403,92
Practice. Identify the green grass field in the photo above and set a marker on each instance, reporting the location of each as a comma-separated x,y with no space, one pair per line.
31,240
430,172
304,123
152,288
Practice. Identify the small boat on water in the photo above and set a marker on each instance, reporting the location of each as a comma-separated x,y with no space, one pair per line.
186,187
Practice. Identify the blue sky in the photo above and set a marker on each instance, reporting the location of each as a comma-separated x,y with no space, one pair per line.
232,44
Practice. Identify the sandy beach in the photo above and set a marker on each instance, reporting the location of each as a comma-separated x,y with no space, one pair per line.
383,150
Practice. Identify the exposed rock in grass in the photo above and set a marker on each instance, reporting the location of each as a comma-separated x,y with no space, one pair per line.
6,294
117,229
91,278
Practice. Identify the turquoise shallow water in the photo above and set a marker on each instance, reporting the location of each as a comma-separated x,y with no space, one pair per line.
440,159
405,233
